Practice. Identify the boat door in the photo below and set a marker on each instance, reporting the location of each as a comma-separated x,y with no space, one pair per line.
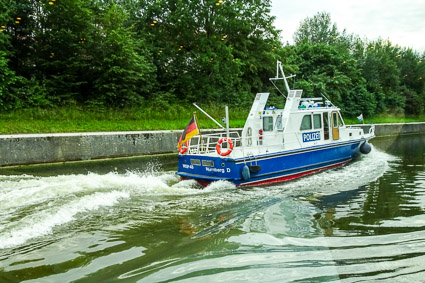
335,125
267,135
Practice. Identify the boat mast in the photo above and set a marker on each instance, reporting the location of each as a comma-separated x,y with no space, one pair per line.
279,68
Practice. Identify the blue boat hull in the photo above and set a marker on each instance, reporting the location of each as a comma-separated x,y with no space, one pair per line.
275,167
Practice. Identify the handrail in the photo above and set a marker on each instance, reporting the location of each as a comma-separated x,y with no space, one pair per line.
239,142
195,144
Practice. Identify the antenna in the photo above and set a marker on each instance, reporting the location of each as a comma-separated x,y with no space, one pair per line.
279,68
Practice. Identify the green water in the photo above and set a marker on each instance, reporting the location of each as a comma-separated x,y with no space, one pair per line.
133,220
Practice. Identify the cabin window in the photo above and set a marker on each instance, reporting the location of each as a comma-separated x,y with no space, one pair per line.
340,121
335,119
279,125
325,126
267,124
317,121
306,123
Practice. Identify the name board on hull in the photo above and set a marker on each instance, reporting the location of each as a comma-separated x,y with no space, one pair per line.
312,136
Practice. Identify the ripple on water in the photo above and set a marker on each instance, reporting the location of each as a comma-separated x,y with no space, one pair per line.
277,233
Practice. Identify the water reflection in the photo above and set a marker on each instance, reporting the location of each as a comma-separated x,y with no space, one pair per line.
391,204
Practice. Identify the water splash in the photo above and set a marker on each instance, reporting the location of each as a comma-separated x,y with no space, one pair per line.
42,223
42,203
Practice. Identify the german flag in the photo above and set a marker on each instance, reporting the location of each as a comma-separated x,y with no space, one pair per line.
189,132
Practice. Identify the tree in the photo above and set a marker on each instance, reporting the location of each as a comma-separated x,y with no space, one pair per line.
7,76
122,71
63,28
77,51
16,28
318,29
127,52
208,50
325,69
7,8
7,79
382,75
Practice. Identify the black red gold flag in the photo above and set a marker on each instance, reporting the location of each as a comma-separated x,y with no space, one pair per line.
189,132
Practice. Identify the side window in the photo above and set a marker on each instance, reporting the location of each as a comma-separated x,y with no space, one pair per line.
340,121
326,125
306,123
267,124
317,121
279,125
335,119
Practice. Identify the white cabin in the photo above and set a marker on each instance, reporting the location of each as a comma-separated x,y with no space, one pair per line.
304,122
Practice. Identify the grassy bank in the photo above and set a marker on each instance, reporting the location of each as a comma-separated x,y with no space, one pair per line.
79,119
76,119
379,119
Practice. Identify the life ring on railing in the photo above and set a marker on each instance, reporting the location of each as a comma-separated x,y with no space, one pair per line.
218,146
183,150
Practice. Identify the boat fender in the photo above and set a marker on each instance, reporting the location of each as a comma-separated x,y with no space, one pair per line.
218,146
254,168
245,173
365,148
183,150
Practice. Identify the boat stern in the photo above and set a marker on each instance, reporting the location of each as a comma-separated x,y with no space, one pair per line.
207,169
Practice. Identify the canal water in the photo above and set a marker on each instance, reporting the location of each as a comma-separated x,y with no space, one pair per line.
133,220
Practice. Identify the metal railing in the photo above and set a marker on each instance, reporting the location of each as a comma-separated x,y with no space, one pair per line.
367,129
207,143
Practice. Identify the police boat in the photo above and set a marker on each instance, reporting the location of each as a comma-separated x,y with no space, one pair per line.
307,136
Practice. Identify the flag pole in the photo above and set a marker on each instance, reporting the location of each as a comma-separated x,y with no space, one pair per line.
199,129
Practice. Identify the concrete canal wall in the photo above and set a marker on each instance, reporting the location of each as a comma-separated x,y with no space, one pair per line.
391,129
45,148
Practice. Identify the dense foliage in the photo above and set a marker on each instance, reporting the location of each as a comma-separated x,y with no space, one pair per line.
105,53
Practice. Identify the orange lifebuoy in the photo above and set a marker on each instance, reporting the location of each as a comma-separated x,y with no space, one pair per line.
183,150
218,146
